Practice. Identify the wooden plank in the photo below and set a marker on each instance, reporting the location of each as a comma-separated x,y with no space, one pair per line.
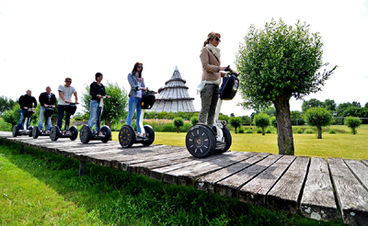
230,185
360,171
255,191
187,175
365,162
318,200
208,182
351,194
285,193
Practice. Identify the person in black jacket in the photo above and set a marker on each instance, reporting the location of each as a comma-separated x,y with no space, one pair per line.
47,100
97,91
27,102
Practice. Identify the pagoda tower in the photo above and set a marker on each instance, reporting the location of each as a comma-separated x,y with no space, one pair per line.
174,96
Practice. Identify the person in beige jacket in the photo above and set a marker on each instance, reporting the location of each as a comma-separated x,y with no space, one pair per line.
211,78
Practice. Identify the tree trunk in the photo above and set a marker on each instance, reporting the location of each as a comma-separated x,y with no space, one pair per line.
236,131
354,131
319,132
263,133
284,130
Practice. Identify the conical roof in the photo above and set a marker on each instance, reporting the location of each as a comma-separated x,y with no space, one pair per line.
174,96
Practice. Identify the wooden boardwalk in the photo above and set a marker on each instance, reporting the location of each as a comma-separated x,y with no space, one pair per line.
319,189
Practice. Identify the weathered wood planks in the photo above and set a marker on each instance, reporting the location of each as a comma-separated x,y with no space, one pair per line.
318,201
351,194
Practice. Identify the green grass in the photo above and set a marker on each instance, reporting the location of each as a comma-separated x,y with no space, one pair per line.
340,145
44,188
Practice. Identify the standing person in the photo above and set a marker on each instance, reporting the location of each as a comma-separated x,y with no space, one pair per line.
47,100
65,97
26,102
211,78
136,82
97,91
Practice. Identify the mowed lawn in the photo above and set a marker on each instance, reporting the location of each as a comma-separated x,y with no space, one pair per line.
339,145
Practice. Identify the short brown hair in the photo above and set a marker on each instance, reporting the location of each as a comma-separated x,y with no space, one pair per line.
210,37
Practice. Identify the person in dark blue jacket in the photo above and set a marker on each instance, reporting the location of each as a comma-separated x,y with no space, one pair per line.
47,100
97,91
27,102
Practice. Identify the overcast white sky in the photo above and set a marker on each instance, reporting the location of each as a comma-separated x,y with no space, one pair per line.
42,42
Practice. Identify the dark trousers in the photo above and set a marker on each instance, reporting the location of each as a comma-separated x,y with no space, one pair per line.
61,110
209,98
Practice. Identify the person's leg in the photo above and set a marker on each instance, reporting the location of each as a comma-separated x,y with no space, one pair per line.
48,123
21,120
93,107
132,106
67,119
206,96
98,118
138,115
60,116
41,118
28,122
212,110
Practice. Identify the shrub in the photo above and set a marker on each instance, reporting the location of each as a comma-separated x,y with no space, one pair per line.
299,131
309,131
235,122
318,117
194,120
241,130
268,131
178,122
332,131
259,130
249,131
353,123
262,120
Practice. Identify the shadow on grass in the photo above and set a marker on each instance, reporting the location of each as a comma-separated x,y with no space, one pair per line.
117,197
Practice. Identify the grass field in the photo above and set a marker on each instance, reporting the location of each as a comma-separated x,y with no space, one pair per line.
39,188
339,145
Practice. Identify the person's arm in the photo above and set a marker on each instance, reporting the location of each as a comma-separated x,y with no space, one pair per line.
53,100
41,99
131,82
206,62
76,97
93,91
61,95
21,103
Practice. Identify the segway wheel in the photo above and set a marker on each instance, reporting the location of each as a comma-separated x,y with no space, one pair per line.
29,131
105,130
228,141
15,131
200,141
85,134
55,133
74,131
35,132
126,136
150,135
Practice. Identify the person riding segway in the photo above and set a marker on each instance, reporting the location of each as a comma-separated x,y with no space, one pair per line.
202,140
27,105
48,104
65,105
127,135
98,94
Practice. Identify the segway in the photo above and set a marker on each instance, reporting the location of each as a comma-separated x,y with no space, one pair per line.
127,135
57,133
28,131
86,133
36,132
202,140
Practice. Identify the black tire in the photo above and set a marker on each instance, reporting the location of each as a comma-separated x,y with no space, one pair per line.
55,133
200,141
85,134
228,141
15,131
126,136
35,132
105,130
74,131
150,134
29,131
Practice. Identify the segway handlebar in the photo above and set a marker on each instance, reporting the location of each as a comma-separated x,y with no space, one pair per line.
228,69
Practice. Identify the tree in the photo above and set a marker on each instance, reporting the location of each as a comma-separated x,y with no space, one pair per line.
318,117
330,105
312,103
277,63
235,122
114,108
273,121
366,105
353,123
262,120
6,104
246,120
12,116
297,118
178,122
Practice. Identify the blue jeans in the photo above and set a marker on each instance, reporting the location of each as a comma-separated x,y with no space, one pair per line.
93,115
42,119
134,104
61,109
22,118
